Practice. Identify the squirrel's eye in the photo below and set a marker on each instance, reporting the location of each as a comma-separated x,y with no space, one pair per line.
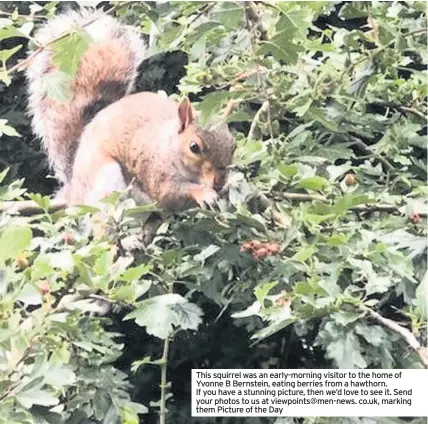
194,147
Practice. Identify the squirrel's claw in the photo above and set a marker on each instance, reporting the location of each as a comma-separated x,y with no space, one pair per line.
205,196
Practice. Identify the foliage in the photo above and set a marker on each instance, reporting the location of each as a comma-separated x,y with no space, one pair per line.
330,120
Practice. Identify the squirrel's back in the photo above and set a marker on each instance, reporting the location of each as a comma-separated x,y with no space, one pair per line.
107,71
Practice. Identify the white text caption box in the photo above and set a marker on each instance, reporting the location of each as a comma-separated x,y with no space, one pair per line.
306,393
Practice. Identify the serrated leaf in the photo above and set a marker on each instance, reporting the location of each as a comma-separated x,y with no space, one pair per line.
372,334
68,51
262,290
228,13
161,314
281,49
211,105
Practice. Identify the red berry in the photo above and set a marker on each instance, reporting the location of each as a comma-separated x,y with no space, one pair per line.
415,217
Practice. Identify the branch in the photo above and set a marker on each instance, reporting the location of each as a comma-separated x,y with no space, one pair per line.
400,108
29,207
303,197
366,149
253,16
25,17
407,335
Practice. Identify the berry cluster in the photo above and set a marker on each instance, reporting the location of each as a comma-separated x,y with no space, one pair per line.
260,249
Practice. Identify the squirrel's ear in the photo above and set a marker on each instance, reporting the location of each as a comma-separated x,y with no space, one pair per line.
185,113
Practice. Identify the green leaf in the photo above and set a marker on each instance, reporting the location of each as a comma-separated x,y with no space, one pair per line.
42,201
102,403
41,267
320,115
68,51
161,314
295,20
6,54
113,415
281,49
135,273
59,377
30,295
200,31
304,253
13,241
211,105
350,200
422,294
36,397
372,334
206,253
288,170
104,263
7,129
315,183
341,345
229,13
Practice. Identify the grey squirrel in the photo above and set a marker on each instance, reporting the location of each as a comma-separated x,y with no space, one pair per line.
103,138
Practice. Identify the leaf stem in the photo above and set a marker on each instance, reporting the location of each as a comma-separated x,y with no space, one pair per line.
163,383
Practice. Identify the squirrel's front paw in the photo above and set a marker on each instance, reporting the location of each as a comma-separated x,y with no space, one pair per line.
204,196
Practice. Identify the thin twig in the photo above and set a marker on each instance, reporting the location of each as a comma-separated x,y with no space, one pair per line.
256,120
25,17
164,380
254,22
202,10
407,335
368,150
23,64
253,16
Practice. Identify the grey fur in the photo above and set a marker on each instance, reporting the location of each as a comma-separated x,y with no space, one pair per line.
50,124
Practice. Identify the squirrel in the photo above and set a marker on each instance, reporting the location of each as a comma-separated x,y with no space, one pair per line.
104,139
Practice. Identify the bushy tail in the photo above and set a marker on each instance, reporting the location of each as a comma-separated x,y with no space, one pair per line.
107,71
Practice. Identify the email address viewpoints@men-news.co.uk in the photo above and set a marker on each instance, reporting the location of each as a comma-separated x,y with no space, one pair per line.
309,393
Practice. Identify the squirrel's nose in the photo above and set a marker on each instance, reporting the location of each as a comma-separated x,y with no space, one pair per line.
220,180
